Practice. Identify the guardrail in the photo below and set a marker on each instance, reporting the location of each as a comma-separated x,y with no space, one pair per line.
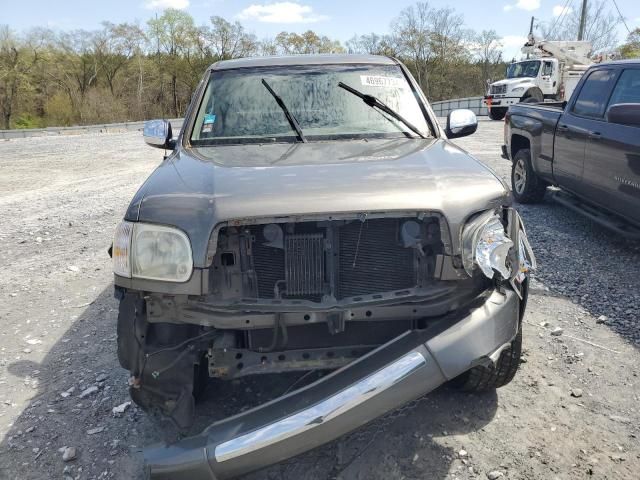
442,109
176,123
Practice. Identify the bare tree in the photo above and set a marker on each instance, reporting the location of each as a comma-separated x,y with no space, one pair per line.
229,40
268,46
600,26
487,48
411,31
306,43
432,41
447,34
372,44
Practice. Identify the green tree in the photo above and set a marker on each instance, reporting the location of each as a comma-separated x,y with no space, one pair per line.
631,48
115,46
172,37
17,60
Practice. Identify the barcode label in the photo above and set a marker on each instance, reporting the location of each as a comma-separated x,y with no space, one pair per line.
386,82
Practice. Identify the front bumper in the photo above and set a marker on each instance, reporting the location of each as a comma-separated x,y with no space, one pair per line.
402,370
500,101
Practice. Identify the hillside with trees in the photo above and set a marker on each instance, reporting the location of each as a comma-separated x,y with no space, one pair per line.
129,72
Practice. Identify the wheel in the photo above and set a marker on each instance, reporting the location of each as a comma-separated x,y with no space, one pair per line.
527,187
481,379
497,113
533,95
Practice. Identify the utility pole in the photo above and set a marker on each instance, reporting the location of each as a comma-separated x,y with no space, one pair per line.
531,26
530,38
583,19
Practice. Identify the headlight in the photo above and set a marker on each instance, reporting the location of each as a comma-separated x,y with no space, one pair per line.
518,89
154,252
486,244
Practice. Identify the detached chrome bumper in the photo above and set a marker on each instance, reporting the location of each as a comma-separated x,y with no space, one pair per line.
402,370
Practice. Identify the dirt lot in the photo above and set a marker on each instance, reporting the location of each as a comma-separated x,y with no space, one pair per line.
572,411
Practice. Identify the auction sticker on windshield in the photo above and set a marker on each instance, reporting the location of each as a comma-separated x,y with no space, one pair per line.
378,81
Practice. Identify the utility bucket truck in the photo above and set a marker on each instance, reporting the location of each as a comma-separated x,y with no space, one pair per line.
551,74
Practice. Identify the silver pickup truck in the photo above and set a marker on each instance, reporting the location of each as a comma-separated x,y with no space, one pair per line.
313,215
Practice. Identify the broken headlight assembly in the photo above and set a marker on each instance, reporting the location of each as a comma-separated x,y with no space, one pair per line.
153,252
497,243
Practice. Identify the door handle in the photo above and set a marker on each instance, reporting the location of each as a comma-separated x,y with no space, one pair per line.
595,135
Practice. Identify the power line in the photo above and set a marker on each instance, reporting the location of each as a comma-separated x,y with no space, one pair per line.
565,14
564,10
621,17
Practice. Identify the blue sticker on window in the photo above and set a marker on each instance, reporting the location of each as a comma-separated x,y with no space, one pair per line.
209,118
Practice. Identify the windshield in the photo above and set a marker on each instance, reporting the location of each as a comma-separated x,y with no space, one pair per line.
523,69
238,108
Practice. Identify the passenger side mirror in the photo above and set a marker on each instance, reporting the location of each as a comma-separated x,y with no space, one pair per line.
157,133
624,114
461,123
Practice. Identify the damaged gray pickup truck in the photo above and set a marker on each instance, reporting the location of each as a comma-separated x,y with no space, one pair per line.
313,215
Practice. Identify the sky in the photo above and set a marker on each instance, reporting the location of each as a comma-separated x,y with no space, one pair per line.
339,19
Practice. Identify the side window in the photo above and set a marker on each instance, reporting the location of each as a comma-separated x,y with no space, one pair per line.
547,70
594,94
627,90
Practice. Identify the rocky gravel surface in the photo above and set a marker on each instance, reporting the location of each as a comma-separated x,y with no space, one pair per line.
579,260
571,412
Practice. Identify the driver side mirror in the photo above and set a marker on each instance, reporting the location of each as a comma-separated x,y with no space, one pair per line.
157,133
461,123
624,114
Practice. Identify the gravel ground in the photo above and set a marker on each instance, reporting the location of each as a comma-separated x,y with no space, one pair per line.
571,412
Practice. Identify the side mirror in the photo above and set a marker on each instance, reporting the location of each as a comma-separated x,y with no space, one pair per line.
157,133
461,123
624,114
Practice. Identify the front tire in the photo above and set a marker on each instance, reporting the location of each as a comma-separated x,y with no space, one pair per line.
482,379
527,187
497,113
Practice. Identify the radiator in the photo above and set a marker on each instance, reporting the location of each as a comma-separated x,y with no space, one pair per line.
304,264
372,259
368,257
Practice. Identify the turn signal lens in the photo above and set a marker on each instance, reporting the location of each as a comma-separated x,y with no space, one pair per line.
121,249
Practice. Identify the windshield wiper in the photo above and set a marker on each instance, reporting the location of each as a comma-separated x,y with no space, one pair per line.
376,103
292,120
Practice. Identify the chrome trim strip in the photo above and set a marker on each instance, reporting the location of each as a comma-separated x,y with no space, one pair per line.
324,411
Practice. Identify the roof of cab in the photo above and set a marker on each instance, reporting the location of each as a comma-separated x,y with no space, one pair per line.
628,61
323,59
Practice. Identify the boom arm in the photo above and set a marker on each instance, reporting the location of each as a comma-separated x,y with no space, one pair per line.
569,52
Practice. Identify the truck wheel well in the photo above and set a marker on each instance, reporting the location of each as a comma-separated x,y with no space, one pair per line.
518,142
534,93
